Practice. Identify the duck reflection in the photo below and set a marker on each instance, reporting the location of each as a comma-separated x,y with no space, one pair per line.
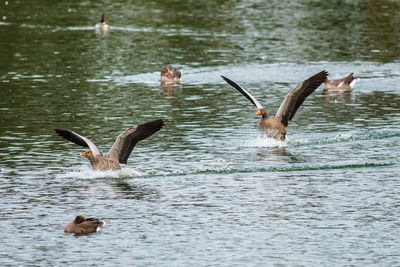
335,95
129,191
170,89
278,155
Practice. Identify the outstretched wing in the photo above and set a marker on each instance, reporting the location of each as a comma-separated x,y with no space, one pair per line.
244,92
126,141
295,98
79,140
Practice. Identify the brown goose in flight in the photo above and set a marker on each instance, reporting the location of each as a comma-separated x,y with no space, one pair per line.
83,226
121,149
276,127
346,83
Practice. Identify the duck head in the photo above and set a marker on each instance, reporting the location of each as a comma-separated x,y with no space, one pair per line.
103,17
79,219
261,112
165,71
88,154
177,74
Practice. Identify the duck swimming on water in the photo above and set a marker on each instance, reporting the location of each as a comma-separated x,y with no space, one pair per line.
83,226
102,25
121,149
170,76
276,127
346,83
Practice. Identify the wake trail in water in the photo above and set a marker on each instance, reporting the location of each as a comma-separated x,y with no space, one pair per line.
228,167
347,137
85,172
127,173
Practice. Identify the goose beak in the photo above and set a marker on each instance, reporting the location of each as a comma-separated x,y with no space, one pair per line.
258,112
83,154
169,72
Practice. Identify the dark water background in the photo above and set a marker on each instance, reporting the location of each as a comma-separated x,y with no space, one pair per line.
206,190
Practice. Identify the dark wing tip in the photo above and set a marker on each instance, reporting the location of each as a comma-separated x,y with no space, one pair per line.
71,136
323,74
318,78
229,81
61,132
142,132
153,127
241,90
157,124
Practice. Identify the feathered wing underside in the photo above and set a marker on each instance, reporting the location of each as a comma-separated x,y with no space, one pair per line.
295,98
244,92
126,141
79,140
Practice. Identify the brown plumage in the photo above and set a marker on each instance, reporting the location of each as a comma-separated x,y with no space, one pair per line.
276,127
83,226
103,25
170,76
345,83
121,149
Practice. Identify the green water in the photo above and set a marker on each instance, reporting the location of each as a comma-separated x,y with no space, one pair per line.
206,190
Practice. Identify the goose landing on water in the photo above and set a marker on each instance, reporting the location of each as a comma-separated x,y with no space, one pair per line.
276,127
121,149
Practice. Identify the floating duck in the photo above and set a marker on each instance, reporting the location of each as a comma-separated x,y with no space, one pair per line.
102,25
83,226
170,76
346,83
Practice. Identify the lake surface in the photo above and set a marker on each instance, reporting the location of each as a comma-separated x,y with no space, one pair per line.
206,190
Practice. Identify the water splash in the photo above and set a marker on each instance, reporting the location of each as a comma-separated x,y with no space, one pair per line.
347,137
85,172
261,141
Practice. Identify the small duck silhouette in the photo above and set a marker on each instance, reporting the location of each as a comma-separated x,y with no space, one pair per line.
102,26
83,226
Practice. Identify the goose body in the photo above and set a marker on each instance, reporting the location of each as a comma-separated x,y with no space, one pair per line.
83,226
275,127
121,149
346,83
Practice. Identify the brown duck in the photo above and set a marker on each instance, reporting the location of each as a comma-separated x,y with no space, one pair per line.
170,76
103,25
121,149
83,226
346,83
276,127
